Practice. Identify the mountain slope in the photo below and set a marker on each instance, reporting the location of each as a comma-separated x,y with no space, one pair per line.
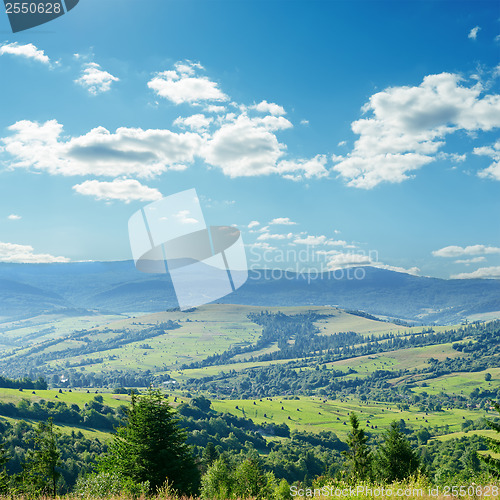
118,287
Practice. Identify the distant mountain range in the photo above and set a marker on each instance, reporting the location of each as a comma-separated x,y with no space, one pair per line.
27,290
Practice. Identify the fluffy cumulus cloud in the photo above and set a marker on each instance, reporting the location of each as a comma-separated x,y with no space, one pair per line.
270,236
128,151
241,143
407,126
457,251
184,217
284,221
269,107
340,260
198,122
12,252
28,51
492,272
243,148
125,190
253,224
474,260
493,171
300,169
319,240
473,32
185,84
95,79
14,217
414,271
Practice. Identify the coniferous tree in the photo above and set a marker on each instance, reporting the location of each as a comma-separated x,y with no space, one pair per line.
396,460
152,447
358,456
492,463
40,470
210,455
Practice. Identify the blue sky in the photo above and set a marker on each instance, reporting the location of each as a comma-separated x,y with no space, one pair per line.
364,132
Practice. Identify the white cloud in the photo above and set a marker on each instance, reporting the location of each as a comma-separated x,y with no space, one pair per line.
183,216
454,157
473,32
184,85
311,240
126,190
273,122
198,122
244,149
457,251
96,80
298,169
269,236
321,240
252,224
269,107
214,108
493,171
470,261
128,151
341,260
482,273
263,245
408,125
28,51
12,252
304,122
14,217
414,271
285,221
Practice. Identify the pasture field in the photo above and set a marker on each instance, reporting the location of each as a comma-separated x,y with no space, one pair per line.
79,397
460,382
208,371
401,359
456,435
314,414
311,414
46,327
203,332
67,429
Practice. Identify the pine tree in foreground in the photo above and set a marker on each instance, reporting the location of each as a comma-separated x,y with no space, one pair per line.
151,447
396,460
358,456
40,470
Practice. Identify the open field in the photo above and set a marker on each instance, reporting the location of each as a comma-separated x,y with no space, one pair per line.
46,327
79,397
460,382
402,359
203,332
68,429
314,414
